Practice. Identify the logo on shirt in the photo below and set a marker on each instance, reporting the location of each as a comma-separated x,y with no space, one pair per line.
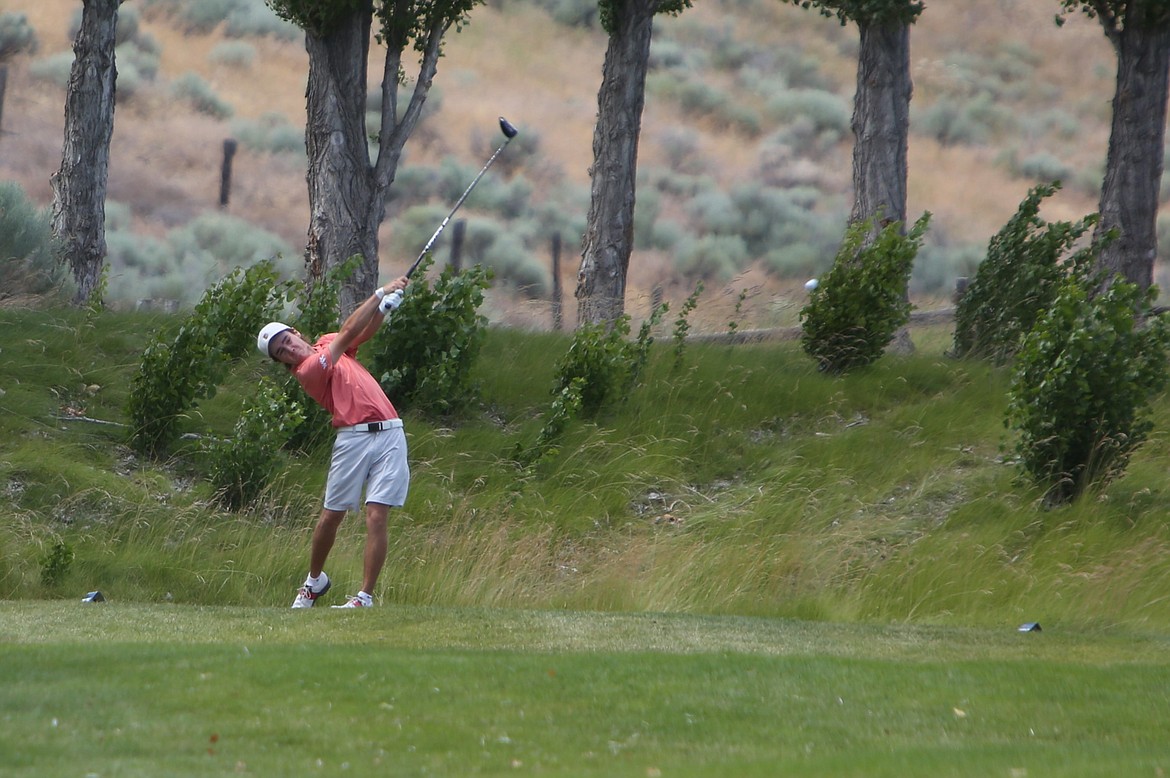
324,362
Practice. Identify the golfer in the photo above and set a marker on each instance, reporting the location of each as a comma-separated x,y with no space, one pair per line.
369,452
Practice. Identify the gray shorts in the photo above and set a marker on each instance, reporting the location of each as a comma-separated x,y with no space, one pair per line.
373,461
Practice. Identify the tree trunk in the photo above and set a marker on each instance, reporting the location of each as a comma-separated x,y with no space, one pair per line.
346,207
881,122
79,187
609,232
1133,167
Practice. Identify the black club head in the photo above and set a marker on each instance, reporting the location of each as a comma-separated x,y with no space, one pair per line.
507,128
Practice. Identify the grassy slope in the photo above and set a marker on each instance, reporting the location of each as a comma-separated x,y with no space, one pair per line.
743,482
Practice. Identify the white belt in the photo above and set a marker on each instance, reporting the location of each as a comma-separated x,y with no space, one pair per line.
373,426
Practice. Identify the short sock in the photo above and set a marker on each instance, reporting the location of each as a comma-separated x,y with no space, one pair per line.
366,598
315,582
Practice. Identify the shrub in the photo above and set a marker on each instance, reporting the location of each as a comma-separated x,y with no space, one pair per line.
174,373
717,257
937,267
257,20
1081,384
714,213
28,252
54,69
17,36
573,13
796,260
605,361
953,119
1043,166
233,54
1016,282
227,242
126,31
425,355
241,467
861,302
1163,232
825,110
682,325
510,261
272,133
195,91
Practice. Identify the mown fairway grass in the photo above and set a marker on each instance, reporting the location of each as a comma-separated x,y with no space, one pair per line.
148,690
744,567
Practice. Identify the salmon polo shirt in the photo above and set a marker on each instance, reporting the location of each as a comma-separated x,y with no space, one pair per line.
346,390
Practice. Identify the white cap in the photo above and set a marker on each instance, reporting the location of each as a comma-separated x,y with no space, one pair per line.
270,331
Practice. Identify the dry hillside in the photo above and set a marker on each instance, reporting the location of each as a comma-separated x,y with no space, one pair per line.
514,60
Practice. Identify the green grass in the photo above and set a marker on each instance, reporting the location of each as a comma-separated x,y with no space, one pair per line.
115,689
739,482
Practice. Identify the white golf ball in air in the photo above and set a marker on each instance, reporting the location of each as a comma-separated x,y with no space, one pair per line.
811,284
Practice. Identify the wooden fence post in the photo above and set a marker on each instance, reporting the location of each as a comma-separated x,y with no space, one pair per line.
458,230
225,173
3,87
556,282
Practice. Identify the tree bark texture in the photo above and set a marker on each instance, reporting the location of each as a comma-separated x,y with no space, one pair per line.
79,187
881,122
1133,166
609,231
345,204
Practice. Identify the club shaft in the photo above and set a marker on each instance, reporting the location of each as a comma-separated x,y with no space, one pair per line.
459,202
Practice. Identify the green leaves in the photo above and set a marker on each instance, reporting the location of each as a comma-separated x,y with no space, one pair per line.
425,352
242,466
1017,281
1082,378
172,375
861,303
867,11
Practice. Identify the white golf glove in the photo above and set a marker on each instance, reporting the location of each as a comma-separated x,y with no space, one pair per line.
391,301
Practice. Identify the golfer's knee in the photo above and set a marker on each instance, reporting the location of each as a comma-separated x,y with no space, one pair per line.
330,518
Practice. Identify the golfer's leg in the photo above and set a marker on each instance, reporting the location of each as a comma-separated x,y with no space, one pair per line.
375,545
323,536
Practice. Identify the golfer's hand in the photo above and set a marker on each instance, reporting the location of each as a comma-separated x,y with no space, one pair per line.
396,285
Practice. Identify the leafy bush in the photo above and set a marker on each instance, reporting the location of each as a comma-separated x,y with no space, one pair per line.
172,375
425,354
272,133
573,13
682,325
861,302
827,111
717,257
238,55
127,29
938,267
28,258
255,19
1043,166
195,91
242,466
17,36
1016,282
1083,378
226,242
954,119
606,362
54,68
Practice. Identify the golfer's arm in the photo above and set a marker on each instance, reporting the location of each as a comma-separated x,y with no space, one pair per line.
361,325
357,329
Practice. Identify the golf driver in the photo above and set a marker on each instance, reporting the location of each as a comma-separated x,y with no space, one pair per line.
509,133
